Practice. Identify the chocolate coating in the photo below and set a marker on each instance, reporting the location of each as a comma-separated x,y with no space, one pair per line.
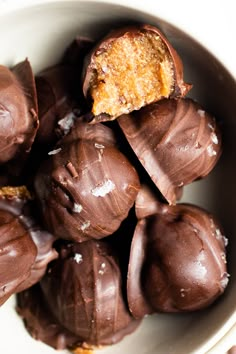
18,251
26,249
87,187
176,141
83,289
46,253
177,261
40,322
170,65
56,100
18,111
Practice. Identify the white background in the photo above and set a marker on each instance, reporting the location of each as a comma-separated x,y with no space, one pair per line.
211,22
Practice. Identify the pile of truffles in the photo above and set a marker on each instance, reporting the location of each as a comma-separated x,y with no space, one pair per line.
95,153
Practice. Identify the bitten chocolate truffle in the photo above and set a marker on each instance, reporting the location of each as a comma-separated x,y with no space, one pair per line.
83,290
26,249
176,141
18,111
87,186
130,68
177,259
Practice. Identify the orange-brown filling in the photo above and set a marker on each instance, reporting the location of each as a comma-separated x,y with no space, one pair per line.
20,192
133,71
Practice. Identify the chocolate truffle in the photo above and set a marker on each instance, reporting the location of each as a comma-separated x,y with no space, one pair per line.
87,186
83,289
18,251
18,111
39,321
177,259
175,140
130,68
26,249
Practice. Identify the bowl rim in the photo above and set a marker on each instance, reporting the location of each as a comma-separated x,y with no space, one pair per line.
208,36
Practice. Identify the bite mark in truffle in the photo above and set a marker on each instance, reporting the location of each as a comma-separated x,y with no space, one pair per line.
130,68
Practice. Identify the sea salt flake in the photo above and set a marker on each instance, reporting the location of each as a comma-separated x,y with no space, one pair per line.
78,258
218,234
54,152
211,151
226,241
67,122
201,113
210,126
103,189
214,138
77,208
224,281
85,225
99,146
102,269
223,257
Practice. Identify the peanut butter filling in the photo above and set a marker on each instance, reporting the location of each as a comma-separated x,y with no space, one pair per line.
135,70
18,192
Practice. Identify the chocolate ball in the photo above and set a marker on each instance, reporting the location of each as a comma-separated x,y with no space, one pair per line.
177,260
83,289
18,251
130,68
87,186
26,249
18,111
176,141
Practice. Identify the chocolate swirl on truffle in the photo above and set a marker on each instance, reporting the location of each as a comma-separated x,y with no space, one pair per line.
26,249
177,260
83,289
87,187
18,111
175,140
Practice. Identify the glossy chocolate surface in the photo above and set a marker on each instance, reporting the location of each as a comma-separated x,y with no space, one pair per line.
177,260
40,322
18,111
175,140
18,251
83,289
56,92
87,186
26,247
179,89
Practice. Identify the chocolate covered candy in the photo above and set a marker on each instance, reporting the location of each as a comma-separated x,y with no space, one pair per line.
87,186
26,249
175,140
177,259
130,68
83,290
18,111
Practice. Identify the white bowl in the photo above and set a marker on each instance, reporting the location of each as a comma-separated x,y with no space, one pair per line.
41,33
